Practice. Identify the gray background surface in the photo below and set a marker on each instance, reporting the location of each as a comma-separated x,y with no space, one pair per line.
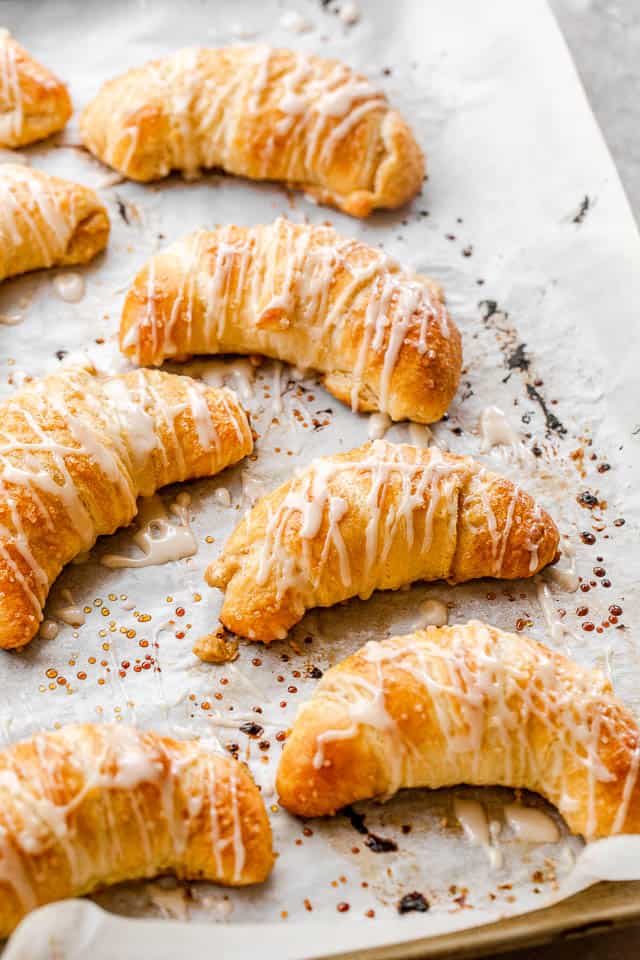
604,39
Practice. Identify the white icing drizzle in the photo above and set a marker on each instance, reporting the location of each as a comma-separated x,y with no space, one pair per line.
472,817
420,435
69,286
496,430
422,492
262,284
70,613
11,95
564,576
116,428
32,214
433,613
114,759
483,688
320,103
239,374
222,497
531,825
159,540
294,22
558,630
349,13
379,423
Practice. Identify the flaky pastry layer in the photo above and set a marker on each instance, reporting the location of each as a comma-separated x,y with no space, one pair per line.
381,337
91,805
466,704
77,450
261,113
375,518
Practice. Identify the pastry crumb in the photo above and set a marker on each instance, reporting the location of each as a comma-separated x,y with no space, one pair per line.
217,647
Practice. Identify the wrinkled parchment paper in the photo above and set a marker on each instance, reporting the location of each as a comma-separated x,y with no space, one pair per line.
524,222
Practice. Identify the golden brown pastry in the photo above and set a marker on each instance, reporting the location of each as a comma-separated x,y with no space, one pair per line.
382,338
76,451
375,518
33,103
261,113
94,804
466,704
46,221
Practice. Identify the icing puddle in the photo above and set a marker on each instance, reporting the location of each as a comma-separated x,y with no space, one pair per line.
160,540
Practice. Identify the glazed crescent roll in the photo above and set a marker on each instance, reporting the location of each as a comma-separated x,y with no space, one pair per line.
46,221
261,113
90,805
381,337
33,102
466,704
375,518
77,450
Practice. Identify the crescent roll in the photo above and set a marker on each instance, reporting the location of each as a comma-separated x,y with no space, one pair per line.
33,102
261,113
90,805
76,451
375,518
381,337
46,221
466,704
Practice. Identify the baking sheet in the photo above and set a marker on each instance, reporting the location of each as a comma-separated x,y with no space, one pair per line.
525,223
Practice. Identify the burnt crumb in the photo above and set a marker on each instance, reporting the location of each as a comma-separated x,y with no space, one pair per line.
526,417
61,354
450,236
467,392
386,71
587,499
251,729
423,213
313,672
518,359
582,210
603,467
375,843
234,749
380,844
406,828
356,820
457,431
536,451
488,308
413,902
552,422
161,236
467,251
122,210
587,537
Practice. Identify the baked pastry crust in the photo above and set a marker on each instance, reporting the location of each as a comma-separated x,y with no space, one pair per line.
95,804
46,221
382,338
261,113
466,704
33,102
76,451
375,518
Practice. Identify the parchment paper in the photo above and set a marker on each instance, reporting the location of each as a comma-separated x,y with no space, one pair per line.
525,223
